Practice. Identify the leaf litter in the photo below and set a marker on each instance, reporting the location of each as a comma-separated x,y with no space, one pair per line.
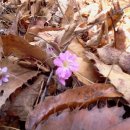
41,43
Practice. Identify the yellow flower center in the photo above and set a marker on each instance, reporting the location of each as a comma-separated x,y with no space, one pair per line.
65,64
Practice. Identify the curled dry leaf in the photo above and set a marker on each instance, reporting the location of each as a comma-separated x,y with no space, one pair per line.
86,72
81,96
18,76
116,76
110,55
18,46
22,102
84,119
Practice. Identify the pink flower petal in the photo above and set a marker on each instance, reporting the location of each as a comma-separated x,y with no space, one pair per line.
58,62
62,81
64,73
67,64
62,56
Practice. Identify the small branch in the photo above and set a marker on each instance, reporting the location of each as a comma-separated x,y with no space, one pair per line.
46,86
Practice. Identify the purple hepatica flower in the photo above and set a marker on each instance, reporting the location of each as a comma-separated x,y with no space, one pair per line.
66,63
4,75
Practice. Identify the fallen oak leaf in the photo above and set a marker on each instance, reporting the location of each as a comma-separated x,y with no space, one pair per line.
115,74
80,96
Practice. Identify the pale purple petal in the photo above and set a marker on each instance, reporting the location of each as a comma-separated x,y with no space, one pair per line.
62,81
58,62
59,72
67,72
5,79
4,69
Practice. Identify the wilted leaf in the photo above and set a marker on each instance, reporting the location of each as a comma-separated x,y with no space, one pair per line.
117,77
18,76
81,96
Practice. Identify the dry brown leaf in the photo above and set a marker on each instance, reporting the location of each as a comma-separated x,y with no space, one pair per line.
18,46
110,55
81,96
22,101
18,76
95,119
117,77
86,72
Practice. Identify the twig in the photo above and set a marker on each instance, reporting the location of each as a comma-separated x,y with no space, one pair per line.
40,92
46,86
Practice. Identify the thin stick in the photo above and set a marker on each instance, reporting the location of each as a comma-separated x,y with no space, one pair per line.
40,92
46,86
